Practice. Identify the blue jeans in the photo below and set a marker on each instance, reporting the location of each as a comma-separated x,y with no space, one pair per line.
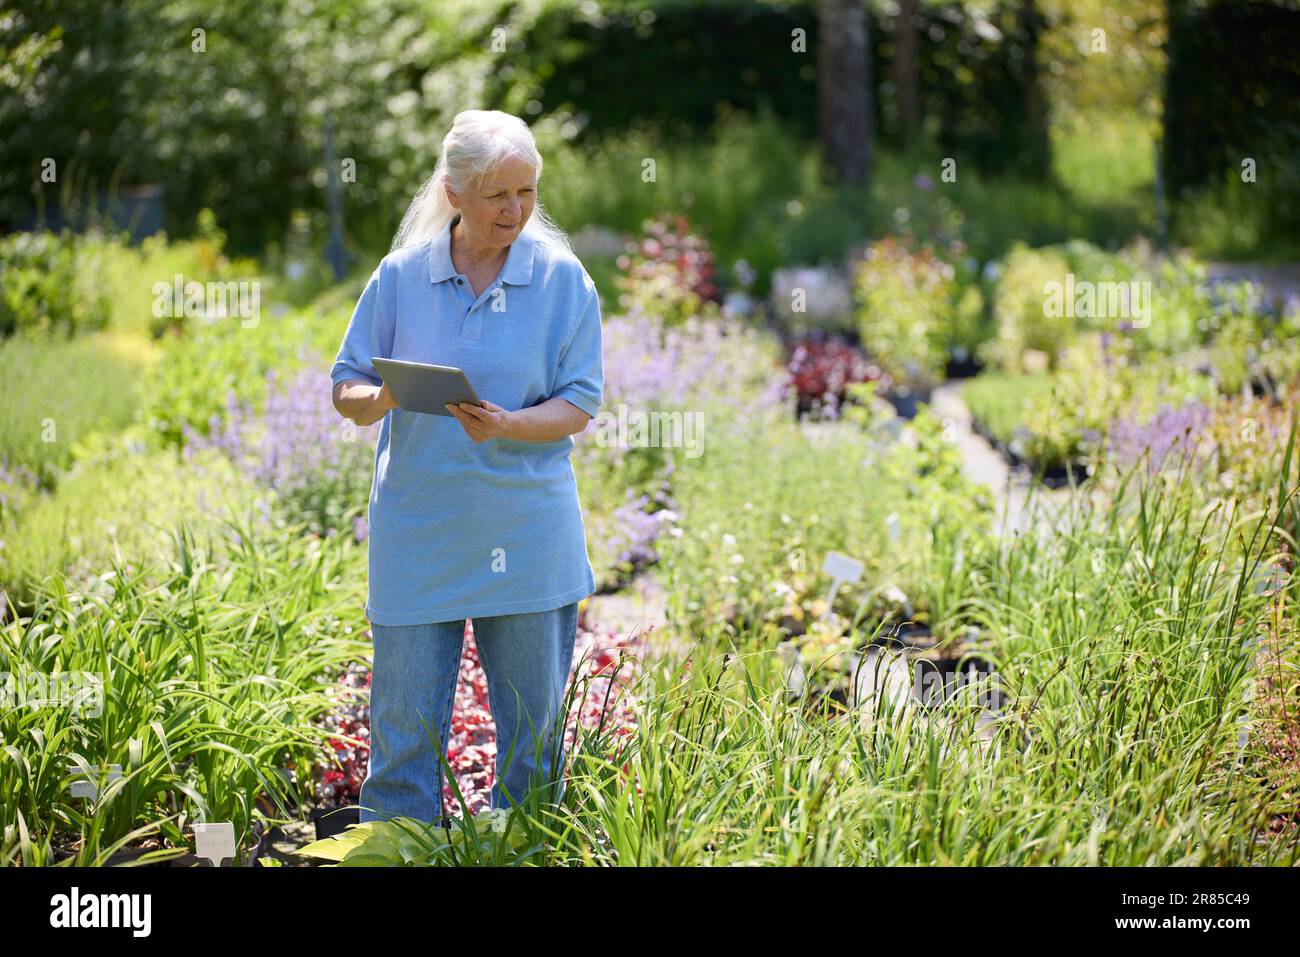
526,659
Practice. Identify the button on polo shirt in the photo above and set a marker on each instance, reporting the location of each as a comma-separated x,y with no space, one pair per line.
460,529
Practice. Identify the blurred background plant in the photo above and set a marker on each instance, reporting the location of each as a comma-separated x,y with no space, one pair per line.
907,311
670,272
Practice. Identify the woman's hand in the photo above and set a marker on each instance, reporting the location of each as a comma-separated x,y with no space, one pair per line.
483,421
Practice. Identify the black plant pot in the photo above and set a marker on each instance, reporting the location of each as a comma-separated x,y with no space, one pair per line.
128,856
907,402
965,367
940,679
808,403
792,626
331,821
1059,475
903,636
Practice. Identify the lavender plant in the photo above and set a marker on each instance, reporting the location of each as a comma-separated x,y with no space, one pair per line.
1168,438
319,465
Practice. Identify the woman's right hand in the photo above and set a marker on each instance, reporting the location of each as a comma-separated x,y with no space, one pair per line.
386,399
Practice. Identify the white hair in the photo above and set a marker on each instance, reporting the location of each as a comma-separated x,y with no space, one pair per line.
478,142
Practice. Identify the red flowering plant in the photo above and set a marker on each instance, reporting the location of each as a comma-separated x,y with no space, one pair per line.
605,664
348,735
669,273
823,367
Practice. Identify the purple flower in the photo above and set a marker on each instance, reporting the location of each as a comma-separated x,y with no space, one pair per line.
1168,437
316,462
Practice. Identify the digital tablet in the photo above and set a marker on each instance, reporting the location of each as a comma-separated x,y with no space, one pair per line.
418,387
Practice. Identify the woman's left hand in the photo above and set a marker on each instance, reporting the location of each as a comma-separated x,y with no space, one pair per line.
481,422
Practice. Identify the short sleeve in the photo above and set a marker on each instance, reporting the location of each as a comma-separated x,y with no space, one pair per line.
581,374
369,334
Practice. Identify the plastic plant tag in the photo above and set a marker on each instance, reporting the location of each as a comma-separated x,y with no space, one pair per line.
1270,579
1251,647
88,787
842,568
892,522
214,841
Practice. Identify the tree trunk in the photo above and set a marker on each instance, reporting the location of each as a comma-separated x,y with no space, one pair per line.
1038,145
844,118
906,80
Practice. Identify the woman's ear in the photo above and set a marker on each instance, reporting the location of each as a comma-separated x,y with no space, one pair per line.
451,195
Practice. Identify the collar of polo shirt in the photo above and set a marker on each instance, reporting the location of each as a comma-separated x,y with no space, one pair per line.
518,269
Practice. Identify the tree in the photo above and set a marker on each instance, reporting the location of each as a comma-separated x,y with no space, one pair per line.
844,117
906,77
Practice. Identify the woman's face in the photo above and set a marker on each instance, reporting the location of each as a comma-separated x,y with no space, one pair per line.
495,213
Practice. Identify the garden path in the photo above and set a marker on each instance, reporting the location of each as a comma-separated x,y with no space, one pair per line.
980,461
641,606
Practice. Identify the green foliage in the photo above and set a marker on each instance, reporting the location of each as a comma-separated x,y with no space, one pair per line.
199,371
734,184
61,393
1038,289
1019,309
490,837
211,664
1250,348
1050,420
907,310
70,284
1231,219
1000,402
1106,157
48,284
120,505
1230,67
760,511
1123,641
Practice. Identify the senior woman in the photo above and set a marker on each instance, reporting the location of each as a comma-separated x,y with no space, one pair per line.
474,515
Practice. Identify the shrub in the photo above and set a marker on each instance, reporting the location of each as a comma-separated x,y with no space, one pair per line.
50,283
318,464
822,371
1018,309
1252,348
906,310
65,283
670,272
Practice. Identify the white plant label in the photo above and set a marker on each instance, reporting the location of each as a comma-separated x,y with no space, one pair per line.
88,787
215,841
842,568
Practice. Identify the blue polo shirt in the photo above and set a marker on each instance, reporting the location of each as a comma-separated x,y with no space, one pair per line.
460,529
